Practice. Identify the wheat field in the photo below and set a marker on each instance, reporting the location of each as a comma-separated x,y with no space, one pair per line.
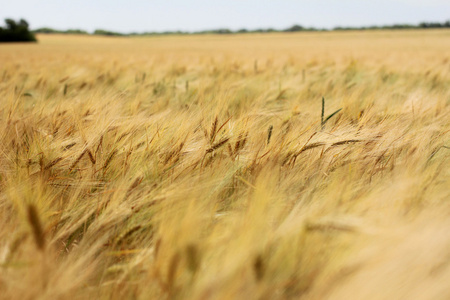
273,166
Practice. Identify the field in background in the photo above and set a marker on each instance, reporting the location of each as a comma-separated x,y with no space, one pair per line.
200,167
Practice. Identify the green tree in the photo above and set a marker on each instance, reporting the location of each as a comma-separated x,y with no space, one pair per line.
16,32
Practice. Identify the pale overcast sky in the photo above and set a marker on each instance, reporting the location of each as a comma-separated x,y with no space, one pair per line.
193,15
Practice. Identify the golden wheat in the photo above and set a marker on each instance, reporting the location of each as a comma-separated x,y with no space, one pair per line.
206,167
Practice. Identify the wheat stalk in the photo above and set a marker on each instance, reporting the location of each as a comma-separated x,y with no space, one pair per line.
217,145
36,226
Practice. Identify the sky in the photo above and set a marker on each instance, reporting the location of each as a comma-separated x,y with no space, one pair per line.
195,15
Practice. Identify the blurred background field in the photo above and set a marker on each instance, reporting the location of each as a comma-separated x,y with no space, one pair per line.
201,167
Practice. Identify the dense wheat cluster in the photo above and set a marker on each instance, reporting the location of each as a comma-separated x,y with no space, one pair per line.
203,167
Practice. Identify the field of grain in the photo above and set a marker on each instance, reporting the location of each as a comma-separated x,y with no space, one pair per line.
276,166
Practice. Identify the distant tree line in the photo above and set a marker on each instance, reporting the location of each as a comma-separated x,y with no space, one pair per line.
294,28
19,31
69,31
107,32
16,32
423,25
